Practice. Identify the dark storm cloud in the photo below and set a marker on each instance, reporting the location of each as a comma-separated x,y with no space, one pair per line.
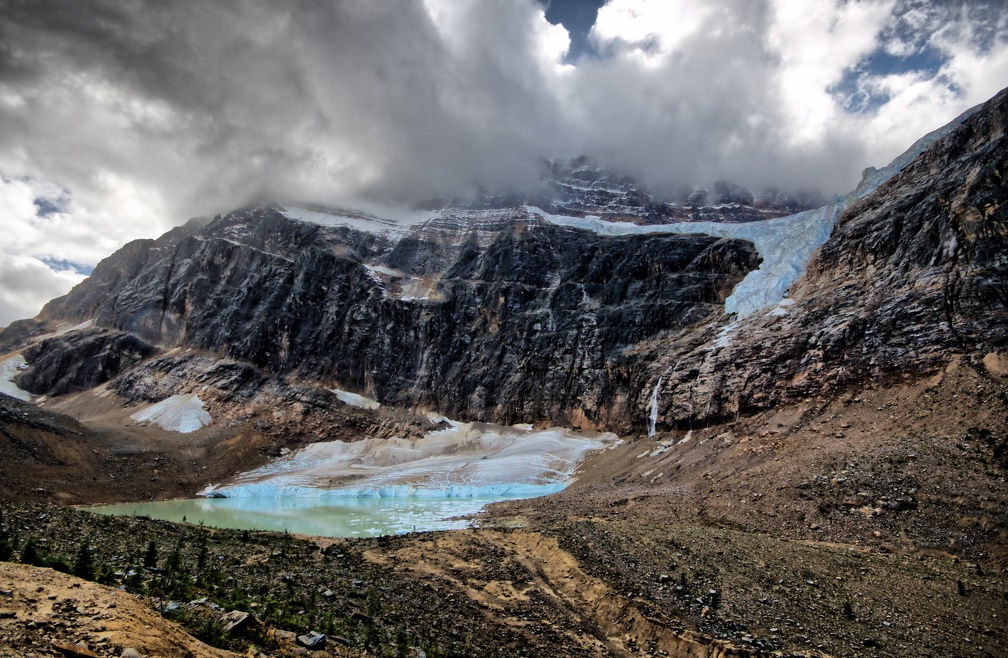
212,103
227,100
197,106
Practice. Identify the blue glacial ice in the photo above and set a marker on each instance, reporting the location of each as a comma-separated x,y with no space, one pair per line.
464,461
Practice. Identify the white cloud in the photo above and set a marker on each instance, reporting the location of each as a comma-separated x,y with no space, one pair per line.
28,284
816,43
139,116
978,73
649,29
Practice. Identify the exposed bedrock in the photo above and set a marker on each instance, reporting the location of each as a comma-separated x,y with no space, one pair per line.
914,273
80,360
523,321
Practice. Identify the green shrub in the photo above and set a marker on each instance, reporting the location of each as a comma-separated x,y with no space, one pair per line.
30,554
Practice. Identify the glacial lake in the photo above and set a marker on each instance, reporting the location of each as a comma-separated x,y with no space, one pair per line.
321,516
374,487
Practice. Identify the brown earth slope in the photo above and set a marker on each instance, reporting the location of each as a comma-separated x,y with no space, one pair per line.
47,613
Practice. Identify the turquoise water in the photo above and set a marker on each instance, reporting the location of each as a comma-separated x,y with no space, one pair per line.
313,515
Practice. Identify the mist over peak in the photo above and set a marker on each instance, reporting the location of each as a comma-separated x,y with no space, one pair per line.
144,115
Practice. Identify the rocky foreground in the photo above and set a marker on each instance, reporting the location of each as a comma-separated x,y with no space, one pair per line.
869,524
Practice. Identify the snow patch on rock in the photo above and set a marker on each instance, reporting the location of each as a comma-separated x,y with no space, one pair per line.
354,399
181,413
8,370
369,218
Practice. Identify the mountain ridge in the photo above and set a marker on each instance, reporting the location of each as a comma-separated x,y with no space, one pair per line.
572,326
824,475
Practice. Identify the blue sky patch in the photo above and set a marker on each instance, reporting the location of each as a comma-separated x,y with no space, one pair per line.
47,207
577,17
62,265
859,91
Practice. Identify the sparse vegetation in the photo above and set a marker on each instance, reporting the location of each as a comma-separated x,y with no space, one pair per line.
757,592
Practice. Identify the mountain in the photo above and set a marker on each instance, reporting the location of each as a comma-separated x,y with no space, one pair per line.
912,274
813,408
517,315
493,316
578,186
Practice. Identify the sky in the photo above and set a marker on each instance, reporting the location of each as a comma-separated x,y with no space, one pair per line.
120,119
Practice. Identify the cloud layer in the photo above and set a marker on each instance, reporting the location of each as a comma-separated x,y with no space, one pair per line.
120,119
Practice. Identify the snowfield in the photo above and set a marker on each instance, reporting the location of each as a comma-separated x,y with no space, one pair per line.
8,370
354,399
369,218
182,413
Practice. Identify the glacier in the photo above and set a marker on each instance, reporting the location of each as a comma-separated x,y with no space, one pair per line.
465,460
785,244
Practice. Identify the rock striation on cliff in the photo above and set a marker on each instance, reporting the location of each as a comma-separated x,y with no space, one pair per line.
508,319
912,274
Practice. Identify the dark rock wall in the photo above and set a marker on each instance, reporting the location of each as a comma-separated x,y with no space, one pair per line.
525,321
914,273
80,360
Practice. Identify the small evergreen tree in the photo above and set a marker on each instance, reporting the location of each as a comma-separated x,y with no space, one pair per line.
201,559
84,565
150,557
175,559
6,546
30,554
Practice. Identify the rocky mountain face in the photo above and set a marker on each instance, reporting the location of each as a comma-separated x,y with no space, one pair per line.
496,314
913,274
578,187
509,320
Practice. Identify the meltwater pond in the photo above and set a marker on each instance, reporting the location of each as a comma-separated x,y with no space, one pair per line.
313,515
387,486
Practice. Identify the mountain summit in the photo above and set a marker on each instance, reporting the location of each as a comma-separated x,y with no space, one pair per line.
812,413
518,314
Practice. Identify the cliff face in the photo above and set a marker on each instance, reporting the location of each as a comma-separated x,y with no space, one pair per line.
912,274
81,360
577,186
512,320
497,314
